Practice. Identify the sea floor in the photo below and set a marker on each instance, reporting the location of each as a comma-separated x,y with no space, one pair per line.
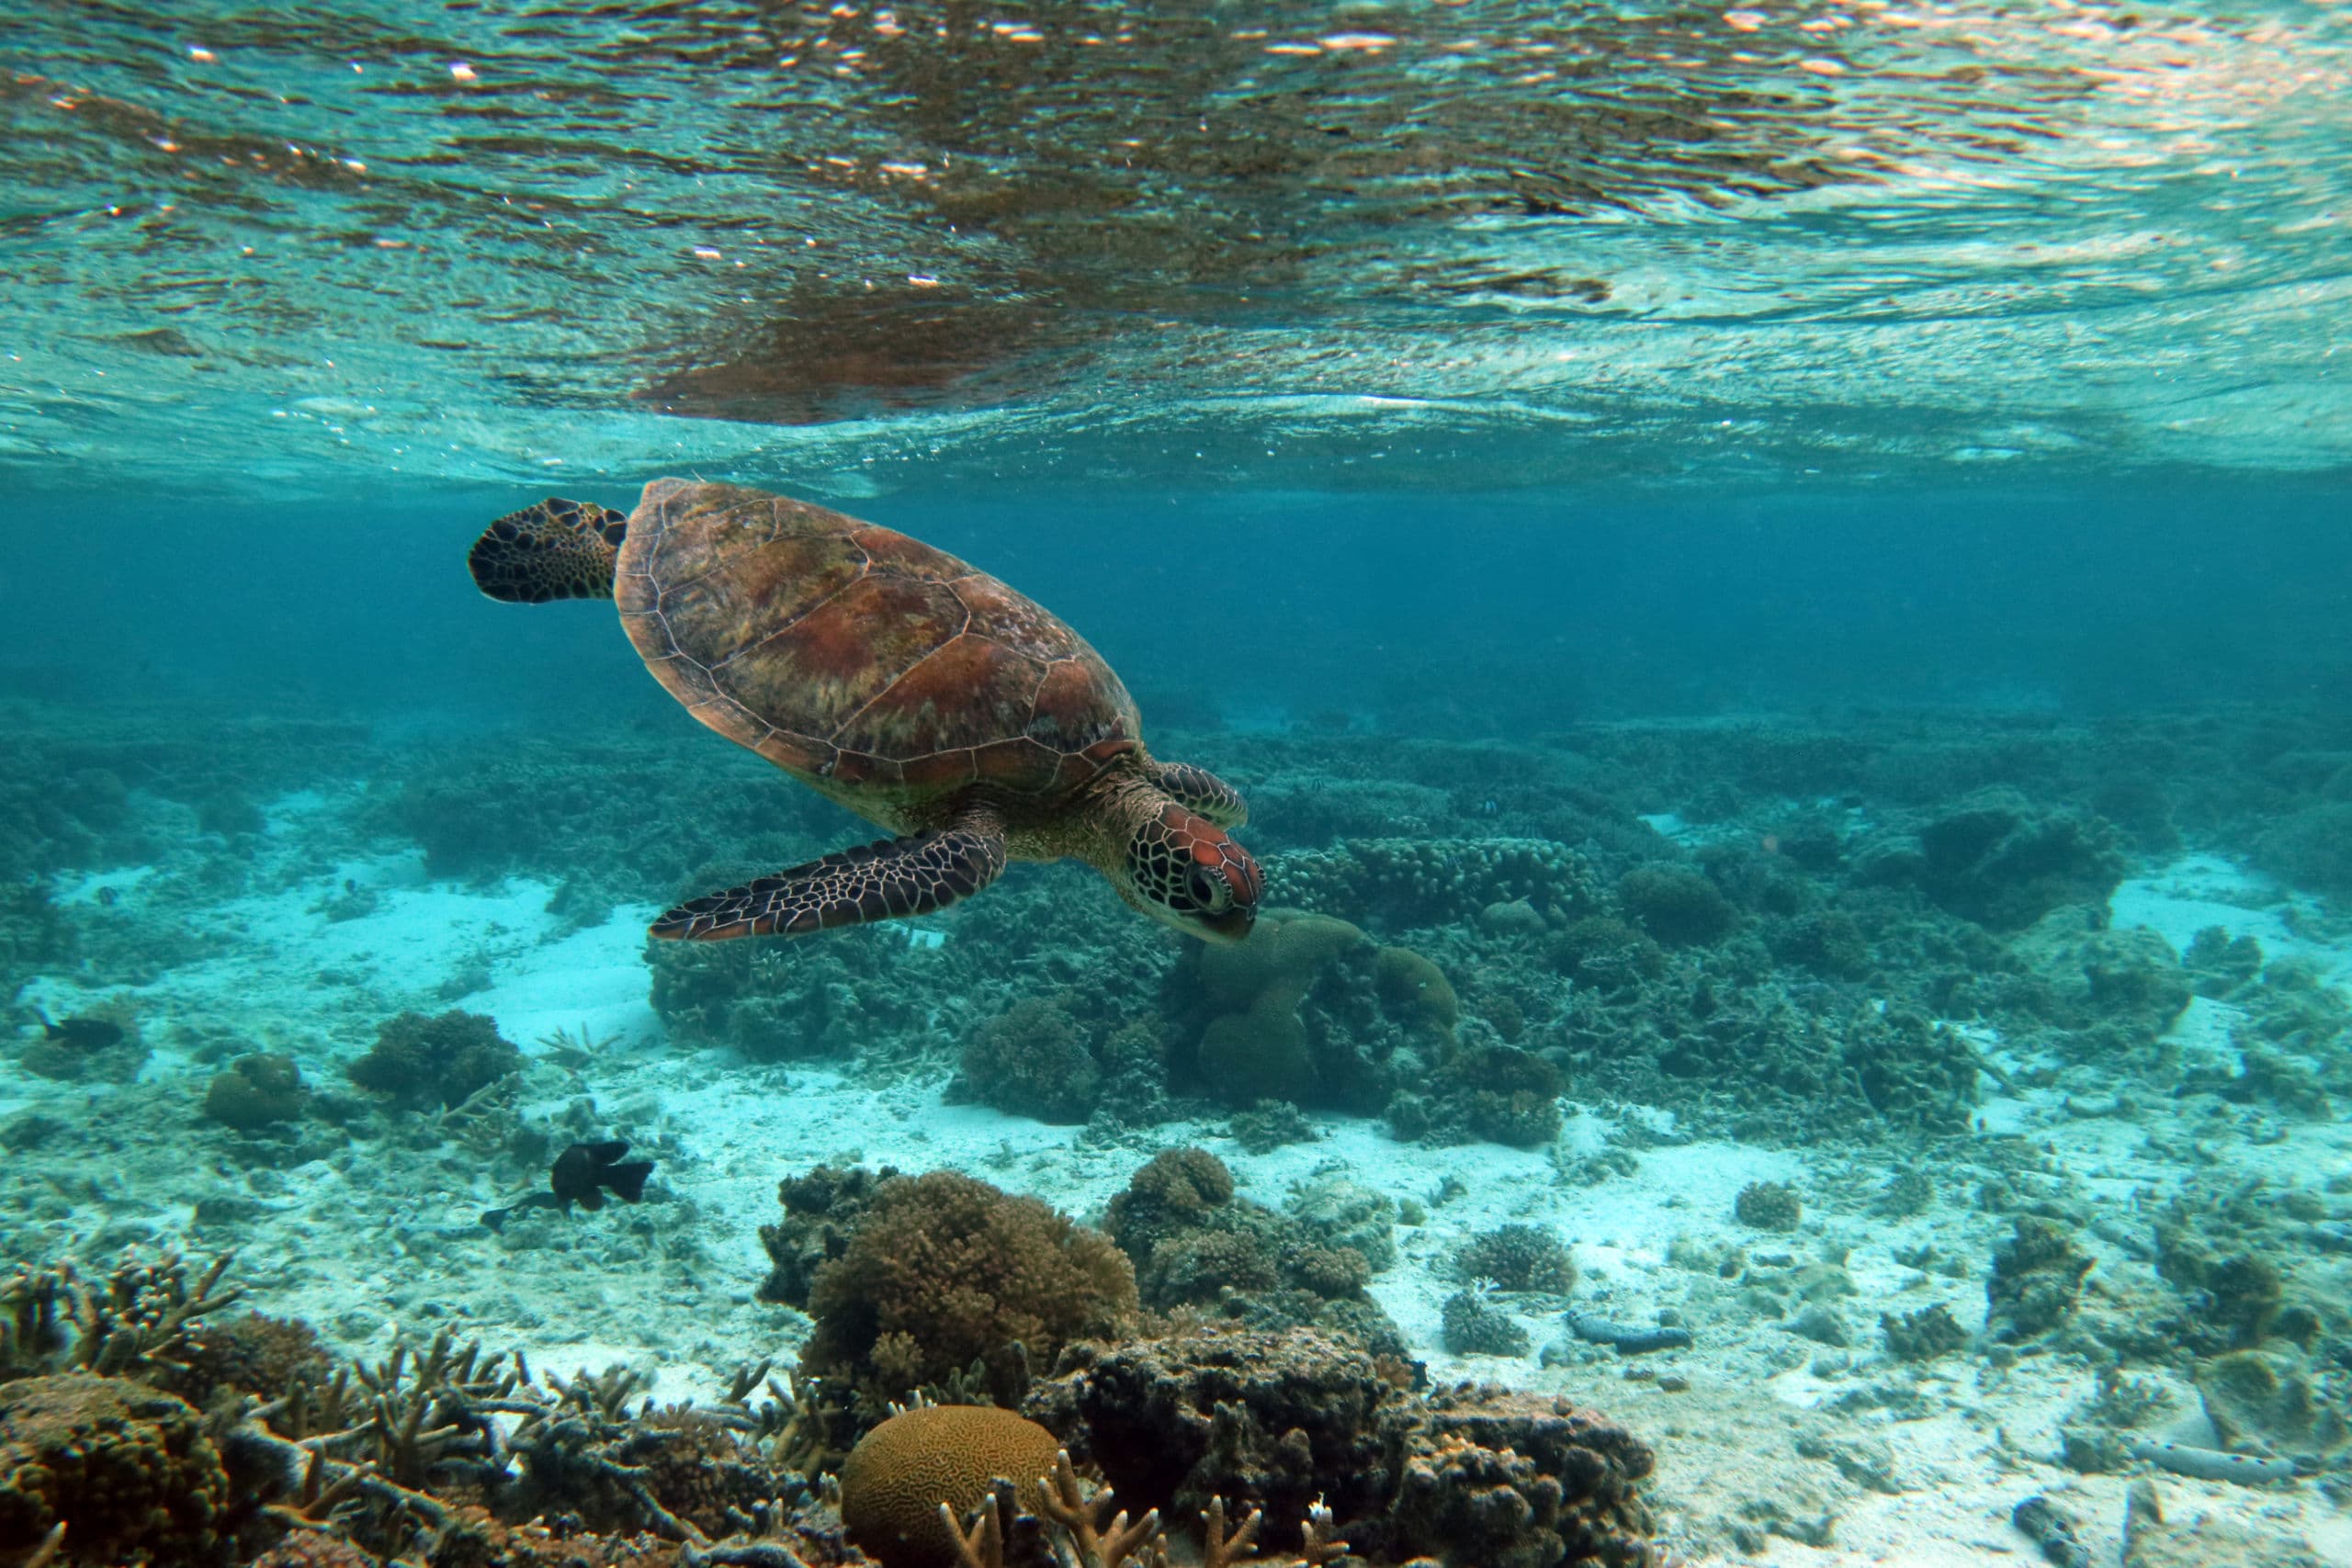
1782,1437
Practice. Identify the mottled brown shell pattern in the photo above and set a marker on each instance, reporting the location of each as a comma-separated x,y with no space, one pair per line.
845,652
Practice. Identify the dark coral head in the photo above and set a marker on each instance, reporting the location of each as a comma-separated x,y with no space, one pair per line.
1183,870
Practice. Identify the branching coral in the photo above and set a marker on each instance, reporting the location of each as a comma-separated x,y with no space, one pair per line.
1410,883
138,1320
1519,1258
943,1270
1311,1428
1032,1060
444,1060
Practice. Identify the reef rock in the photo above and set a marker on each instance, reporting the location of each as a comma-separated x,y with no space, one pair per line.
2150,1540
2268,1399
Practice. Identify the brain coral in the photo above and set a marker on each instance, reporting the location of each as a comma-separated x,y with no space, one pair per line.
894,1480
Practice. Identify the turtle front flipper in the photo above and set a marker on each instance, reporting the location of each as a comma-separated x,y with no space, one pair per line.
913,875
557,550
1202,792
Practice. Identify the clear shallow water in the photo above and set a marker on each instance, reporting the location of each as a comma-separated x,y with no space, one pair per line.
269,252
1842,509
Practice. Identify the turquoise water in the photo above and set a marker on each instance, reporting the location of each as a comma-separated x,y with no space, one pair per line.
1778,583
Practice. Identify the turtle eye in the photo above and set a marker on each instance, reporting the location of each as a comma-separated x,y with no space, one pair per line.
1210,891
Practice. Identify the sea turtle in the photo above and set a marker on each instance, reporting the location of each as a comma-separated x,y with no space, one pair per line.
898,681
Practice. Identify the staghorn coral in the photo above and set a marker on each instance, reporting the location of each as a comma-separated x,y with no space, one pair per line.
142,1319
422,1061
428,1455
894,1480
681,1471
952,1270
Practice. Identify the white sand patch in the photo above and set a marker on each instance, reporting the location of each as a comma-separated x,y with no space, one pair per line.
2200,891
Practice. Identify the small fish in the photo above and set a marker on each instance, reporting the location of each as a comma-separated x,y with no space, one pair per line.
82,1033
581,1175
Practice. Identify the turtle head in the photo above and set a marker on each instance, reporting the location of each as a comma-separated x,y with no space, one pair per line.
1182,871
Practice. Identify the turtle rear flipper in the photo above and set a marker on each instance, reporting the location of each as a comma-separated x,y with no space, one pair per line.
557,550
913,875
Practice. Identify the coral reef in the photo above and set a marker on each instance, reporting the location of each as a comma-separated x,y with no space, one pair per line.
434,1455
1677,905
1606,953
823,1003
127,1469
1279,1419
1176,1189
1467,1475
1997,858
1471,1324
420,1061
1254,1045
1508,1480
1268,1125
1340,1213
2037,1280
1196,1245
2311,848
941,1271
1518,1258
259,1090
1768,1206
2275,1401
1924,1335
821,1211
1031,1060
1409,985
1407,882
896,1478
1497,1092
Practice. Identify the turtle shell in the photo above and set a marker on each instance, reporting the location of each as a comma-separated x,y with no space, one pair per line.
852,655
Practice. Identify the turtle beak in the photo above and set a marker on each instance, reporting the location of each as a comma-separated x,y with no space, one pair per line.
1233,926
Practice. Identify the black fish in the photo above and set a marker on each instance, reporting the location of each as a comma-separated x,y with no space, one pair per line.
83,1033
582,1174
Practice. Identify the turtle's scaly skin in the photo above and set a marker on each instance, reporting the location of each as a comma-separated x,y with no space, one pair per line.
900,681
867,663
